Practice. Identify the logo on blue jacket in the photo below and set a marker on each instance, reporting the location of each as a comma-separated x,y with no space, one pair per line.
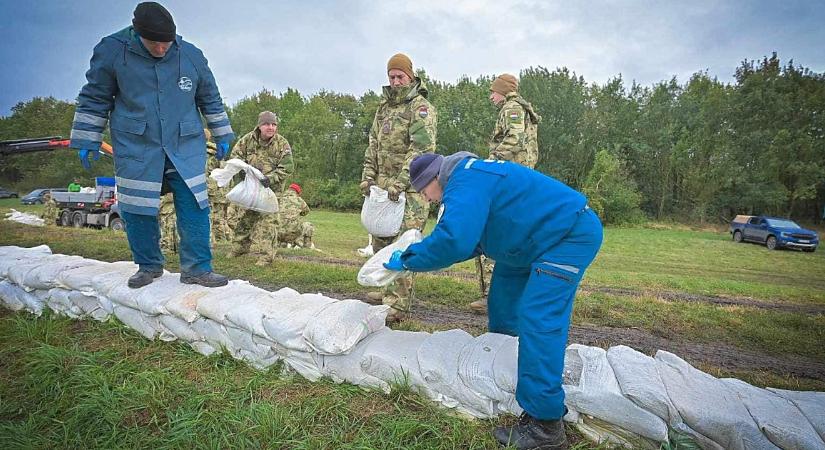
185,84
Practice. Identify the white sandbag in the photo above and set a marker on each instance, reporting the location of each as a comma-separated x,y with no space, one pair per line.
152,298
41,273
367,251
307,364
476,365
438,360
59,302
249,314
135,320
781,421
250,193
24,218
185,307
812,405
116,275
16,256
348,368
381,216
709,406
639,380
180,328
213,333
203,347
287,318
373,273
96,307
242,340
393,357
340,325
80,278
591,388
219,301
33,301
9,295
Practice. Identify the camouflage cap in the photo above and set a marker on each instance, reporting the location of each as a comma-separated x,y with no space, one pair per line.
505,84
401,62
267,117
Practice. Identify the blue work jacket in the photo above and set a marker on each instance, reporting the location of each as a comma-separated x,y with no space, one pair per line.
504,210
154,107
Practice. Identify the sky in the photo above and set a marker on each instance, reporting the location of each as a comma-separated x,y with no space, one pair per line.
343,46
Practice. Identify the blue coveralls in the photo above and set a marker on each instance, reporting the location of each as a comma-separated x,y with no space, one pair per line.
155,107
543,237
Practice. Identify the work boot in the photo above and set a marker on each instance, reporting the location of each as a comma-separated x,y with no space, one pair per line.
533,434
395,316
208,279
142,278
375,298
479,306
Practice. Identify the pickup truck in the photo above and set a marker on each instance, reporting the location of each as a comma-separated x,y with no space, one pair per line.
773,232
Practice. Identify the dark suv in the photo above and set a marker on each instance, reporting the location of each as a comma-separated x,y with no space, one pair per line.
37,196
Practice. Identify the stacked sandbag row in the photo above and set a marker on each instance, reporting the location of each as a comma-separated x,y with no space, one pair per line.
25,218
619,394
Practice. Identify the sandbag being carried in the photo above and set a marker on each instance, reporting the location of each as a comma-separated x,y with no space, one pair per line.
250,193
374,274
381,216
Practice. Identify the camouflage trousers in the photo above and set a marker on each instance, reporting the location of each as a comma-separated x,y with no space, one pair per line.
484,270
256,233
221,230
168,231
400,294
50,214
297,234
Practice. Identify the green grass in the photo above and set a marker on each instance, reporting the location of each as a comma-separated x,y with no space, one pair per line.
70,384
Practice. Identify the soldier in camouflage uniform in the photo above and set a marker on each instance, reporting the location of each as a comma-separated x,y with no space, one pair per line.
217,197
50,211
515,139
168,225
270,153
404,127
294,231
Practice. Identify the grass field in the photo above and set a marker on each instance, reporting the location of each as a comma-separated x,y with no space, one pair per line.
686,286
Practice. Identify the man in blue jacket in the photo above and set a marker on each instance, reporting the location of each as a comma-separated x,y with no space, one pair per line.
543,236
153,87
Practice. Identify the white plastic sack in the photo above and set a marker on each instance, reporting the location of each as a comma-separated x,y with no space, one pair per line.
250,193
59,302
367,251
217,302
381,216
812,405
307,364
348,368
13,255
374,274
213,333
781,421
591,388
24,218
152,298
340,325
709,406
476,365
136,321
438,359
9,295
393,357
107,276
186,306
180,328
288,317
40,273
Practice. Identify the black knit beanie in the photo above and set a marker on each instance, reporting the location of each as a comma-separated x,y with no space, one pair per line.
153,22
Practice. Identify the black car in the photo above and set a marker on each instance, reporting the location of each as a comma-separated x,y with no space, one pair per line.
5,193
37,196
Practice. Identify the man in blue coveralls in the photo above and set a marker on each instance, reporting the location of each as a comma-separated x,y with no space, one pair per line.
153,86
543,236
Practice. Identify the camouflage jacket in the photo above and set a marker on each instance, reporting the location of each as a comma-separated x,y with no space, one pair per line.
273,158
404,127
516,135
291,208
216,194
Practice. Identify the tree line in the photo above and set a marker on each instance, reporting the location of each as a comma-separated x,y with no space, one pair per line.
698,151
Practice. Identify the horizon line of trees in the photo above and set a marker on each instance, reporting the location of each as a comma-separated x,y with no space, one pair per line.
694,152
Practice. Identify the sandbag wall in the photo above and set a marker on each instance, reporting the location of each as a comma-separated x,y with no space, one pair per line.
619,394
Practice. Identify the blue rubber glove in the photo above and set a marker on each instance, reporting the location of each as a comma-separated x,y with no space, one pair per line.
83,154
223,151
395,262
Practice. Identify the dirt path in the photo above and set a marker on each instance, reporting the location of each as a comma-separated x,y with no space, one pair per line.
669,296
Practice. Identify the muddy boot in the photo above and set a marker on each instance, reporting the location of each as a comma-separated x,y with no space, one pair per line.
375,298
479,306
531,433
142,278
207,279
395,316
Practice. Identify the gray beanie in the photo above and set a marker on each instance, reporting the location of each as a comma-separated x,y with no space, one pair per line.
267,117
423,169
